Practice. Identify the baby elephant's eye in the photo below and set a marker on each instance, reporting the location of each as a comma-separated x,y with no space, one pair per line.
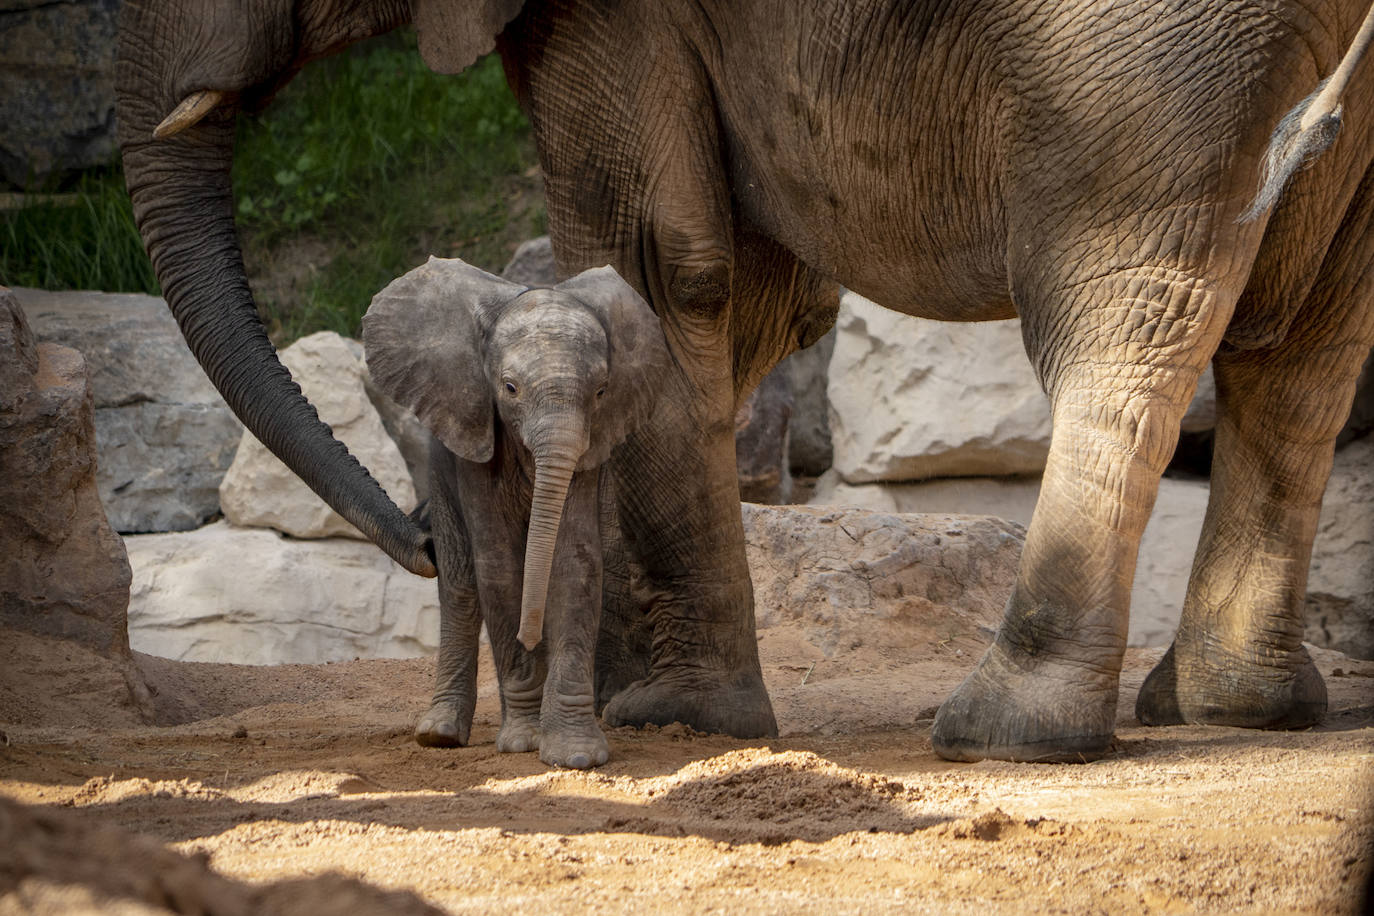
510,386
601,392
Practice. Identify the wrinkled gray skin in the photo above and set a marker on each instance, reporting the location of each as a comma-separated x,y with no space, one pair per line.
526,391
1080,165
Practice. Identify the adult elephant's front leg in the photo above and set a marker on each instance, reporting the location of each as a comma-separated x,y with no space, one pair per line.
678,498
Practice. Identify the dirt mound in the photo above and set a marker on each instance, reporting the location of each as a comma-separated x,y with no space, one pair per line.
769,796
57,862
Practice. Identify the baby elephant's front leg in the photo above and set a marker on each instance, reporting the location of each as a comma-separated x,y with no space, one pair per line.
569,735
448,721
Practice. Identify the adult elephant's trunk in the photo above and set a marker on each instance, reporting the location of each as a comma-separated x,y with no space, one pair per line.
184,210
553,472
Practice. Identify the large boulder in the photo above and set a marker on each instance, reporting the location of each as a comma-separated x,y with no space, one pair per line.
912,399
1340,587
163,434
250,596
1166,549
57,94
260,491
855,576
63,571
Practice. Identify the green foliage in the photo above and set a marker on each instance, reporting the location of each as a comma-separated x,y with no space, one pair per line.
362,167
384,163
83,239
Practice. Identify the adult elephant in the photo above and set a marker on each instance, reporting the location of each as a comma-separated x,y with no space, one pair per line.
1084,166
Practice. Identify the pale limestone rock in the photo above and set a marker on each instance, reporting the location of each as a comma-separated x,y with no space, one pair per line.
912,399
251,596
259,491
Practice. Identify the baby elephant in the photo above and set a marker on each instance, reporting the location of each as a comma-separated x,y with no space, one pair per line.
526,391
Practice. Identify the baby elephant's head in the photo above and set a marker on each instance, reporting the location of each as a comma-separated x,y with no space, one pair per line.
569,371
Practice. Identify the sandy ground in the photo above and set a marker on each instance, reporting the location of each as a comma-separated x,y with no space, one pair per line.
279,781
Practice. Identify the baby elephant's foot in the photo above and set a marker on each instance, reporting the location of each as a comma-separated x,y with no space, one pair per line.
448,723
518,735
576,749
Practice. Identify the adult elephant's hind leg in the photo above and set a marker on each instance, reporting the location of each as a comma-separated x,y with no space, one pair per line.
1237,658
1120,356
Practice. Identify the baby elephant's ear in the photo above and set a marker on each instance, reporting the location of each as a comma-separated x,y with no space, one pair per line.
638,360
423,339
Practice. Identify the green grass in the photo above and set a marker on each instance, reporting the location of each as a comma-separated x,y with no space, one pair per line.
83,239
362,167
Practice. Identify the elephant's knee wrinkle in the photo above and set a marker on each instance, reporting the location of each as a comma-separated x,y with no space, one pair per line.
701,292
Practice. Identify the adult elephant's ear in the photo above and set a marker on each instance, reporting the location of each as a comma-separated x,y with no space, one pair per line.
423,337
638,361
454,33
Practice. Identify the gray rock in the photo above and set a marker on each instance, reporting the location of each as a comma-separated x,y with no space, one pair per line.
1166,549
251,596
810,452
164,435
56,87
532,264
761,434
864,577
1340,587
63,571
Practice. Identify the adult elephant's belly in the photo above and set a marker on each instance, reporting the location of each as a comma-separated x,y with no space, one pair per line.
864,218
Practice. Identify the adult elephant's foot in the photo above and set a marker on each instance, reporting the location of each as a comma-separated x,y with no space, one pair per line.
518,734
576,748
1213,689
731,704
447,723
1023,708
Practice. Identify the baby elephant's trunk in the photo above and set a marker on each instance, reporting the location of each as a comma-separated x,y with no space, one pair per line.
552,477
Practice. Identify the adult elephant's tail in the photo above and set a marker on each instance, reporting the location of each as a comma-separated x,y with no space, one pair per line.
1310,128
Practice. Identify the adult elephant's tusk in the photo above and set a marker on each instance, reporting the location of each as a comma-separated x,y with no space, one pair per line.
192,108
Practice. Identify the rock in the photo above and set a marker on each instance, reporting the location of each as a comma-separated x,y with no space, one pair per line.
404,428
63,571
163,434
1166,549
1202,412
912,399
532,264
259,491
809,450
1340,587
1004,497
857,576
1166,561
57,95
761,441
251,596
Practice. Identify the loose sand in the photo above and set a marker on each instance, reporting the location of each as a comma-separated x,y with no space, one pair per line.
282,785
